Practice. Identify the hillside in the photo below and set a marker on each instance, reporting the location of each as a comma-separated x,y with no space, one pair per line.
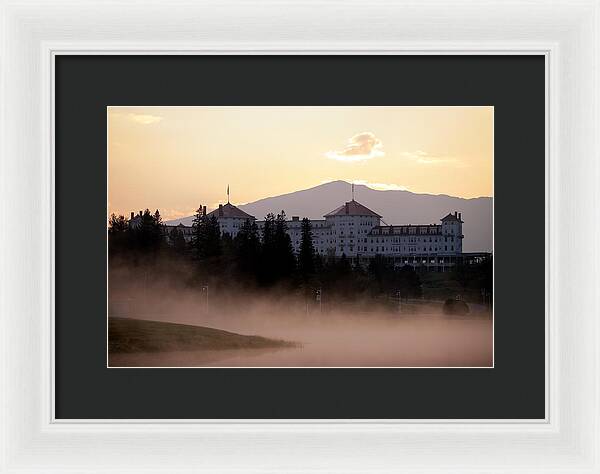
136,335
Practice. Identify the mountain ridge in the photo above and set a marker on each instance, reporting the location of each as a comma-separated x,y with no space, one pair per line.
396,206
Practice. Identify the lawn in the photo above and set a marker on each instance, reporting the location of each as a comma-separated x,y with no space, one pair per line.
137,335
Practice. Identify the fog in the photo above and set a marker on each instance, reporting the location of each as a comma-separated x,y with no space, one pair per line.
363,333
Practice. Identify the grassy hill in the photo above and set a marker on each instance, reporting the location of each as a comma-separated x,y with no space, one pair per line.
137,335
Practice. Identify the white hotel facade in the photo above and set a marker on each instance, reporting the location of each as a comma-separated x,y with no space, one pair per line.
357,232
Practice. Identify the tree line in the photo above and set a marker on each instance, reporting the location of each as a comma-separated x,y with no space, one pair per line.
254,257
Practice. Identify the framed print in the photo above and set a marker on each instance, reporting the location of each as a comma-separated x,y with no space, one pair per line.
246,247
346,319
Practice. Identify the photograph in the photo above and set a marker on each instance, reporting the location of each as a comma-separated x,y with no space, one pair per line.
300,237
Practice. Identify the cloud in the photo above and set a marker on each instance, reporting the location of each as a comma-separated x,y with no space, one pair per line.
173,214
423,158
381,186
144,119
376,186
360,147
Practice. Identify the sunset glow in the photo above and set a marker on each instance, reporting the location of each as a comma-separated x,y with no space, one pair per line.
176,158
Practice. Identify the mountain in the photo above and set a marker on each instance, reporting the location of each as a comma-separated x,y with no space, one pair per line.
396,207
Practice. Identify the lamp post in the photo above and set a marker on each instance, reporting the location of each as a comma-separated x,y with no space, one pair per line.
319,299
205,291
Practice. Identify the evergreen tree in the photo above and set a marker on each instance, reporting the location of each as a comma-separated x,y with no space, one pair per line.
157,231
318,263
381,274
206,236
410,283
247,247
337,277
343,265
284,251
148,233
198,230
306,257
117,234
268,232
226,242
212,238
463,275
118,224
177,241
267,269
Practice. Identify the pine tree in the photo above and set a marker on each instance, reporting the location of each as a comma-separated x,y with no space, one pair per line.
157,231
118,224
268,232
410,283
177,241
267,270
147,233
284,251
343,265
198,230
117,234
247,247
212,238
306,257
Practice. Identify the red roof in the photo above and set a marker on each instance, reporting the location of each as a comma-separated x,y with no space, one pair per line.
352,208
229,210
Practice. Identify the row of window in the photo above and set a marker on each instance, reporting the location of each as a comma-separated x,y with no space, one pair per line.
396,249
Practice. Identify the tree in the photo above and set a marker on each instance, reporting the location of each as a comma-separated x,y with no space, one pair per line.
177,240
410,283
198,230
268,232
206,236
247,248
306,256
337,278
118,224
487,268
386,278
343,265
462,275
117,234
267,270
212,238
284,251
157,231
147,233
381,274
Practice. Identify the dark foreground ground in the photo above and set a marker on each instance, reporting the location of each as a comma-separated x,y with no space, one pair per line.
134,336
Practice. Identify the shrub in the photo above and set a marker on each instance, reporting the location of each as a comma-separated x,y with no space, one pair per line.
453,306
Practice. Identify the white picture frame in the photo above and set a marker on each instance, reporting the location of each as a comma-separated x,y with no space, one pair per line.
566,33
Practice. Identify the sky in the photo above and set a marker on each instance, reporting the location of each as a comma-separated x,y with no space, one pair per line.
177,158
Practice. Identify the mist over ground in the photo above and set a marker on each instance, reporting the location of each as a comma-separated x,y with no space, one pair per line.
340,332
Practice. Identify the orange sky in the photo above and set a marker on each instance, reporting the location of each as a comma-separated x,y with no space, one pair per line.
176,158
